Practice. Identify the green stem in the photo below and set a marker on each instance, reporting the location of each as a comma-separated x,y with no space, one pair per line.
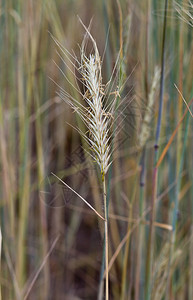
126,252
151,238
149,261
162,76
106,241
140,250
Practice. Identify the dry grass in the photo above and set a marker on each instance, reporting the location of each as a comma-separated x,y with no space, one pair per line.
52,243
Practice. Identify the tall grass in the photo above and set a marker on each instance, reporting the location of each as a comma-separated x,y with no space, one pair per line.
52,242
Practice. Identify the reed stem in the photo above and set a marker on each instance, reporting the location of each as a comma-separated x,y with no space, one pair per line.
149,261
106,242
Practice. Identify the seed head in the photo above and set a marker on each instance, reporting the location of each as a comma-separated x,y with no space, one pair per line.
95,114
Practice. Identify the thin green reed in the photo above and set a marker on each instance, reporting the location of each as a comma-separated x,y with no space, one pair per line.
173,39
177,190
108,57
159,121
149,261
181,144
179,178
142,183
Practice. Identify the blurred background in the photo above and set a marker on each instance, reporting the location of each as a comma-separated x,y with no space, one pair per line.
52,243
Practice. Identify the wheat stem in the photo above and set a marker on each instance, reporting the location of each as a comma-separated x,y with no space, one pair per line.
106,242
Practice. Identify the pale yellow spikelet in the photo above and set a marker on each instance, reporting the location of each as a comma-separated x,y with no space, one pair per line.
94,113
145,127
97,120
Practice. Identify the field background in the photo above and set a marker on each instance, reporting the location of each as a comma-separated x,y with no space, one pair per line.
52,243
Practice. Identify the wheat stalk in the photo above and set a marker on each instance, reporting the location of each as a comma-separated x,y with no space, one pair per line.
96,116
98,124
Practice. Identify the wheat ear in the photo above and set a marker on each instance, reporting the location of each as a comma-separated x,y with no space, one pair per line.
98,123
96,116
